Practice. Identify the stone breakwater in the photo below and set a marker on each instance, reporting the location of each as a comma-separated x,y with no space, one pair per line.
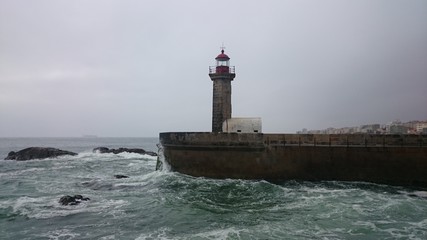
387,159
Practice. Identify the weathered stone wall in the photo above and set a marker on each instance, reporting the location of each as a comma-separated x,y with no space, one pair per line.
367,140
389,159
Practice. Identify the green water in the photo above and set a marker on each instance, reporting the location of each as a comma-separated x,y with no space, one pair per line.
165,205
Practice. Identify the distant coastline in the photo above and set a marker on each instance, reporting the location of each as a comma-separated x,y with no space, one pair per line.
394,127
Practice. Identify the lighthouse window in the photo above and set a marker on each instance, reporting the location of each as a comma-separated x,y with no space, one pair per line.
222,63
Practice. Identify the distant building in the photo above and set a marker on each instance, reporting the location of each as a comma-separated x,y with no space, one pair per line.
398,129
371,128
394,127
421,127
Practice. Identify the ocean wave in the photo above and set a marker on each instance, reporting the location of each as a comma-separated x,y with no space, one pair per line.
145,180
165,233
49,207
59,234
89,155
419,194
169,205
22,172
226,233
160,234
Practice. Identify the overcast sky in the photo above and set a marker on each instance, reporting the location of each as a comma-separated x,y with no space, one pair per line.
137,68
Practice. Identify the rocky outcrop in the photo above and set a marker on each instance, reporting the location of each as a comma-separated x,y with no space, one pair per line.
120,150
37,153
119,176
153,154
69,200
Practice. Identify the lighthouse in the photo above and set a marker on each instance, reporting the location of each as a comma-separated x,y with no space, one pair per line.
221,75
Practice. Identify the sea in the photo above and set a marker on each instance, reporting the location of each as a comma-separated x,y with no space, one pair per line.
163,204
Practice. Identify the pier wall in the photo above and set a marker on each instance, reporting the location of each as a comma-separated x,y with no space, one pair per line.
388,159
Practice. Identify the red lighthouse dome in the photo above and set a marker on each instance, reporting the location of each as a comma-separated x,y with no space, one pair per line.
222,60
222,56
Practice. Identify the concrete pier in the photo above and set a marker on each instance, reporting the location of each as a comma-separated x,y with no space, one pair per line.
386,159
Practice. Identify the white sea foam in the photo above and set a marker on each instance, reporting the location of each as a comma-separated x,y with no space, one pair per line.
227,233
144,180
60,234
164,164
160,234
128,155
110,237
366,224
96,156
48,207
421,194
164,234
22,172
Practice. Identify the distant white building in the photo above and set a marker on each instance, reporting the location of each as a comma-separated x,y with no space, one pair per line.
421,127
242,125
370,128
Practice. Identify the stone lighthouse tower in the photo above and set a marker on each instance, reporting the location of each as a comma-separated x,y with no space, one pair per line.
222,74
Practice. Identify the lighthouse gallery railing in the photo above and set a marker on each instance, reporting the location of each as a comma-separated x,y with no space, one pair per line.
220,69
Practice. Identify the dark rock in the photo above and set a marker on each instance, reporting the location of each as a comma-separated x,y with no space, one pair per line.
69,200
37,153
101,150
120,150
151,153
120,176
80,197
129,150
